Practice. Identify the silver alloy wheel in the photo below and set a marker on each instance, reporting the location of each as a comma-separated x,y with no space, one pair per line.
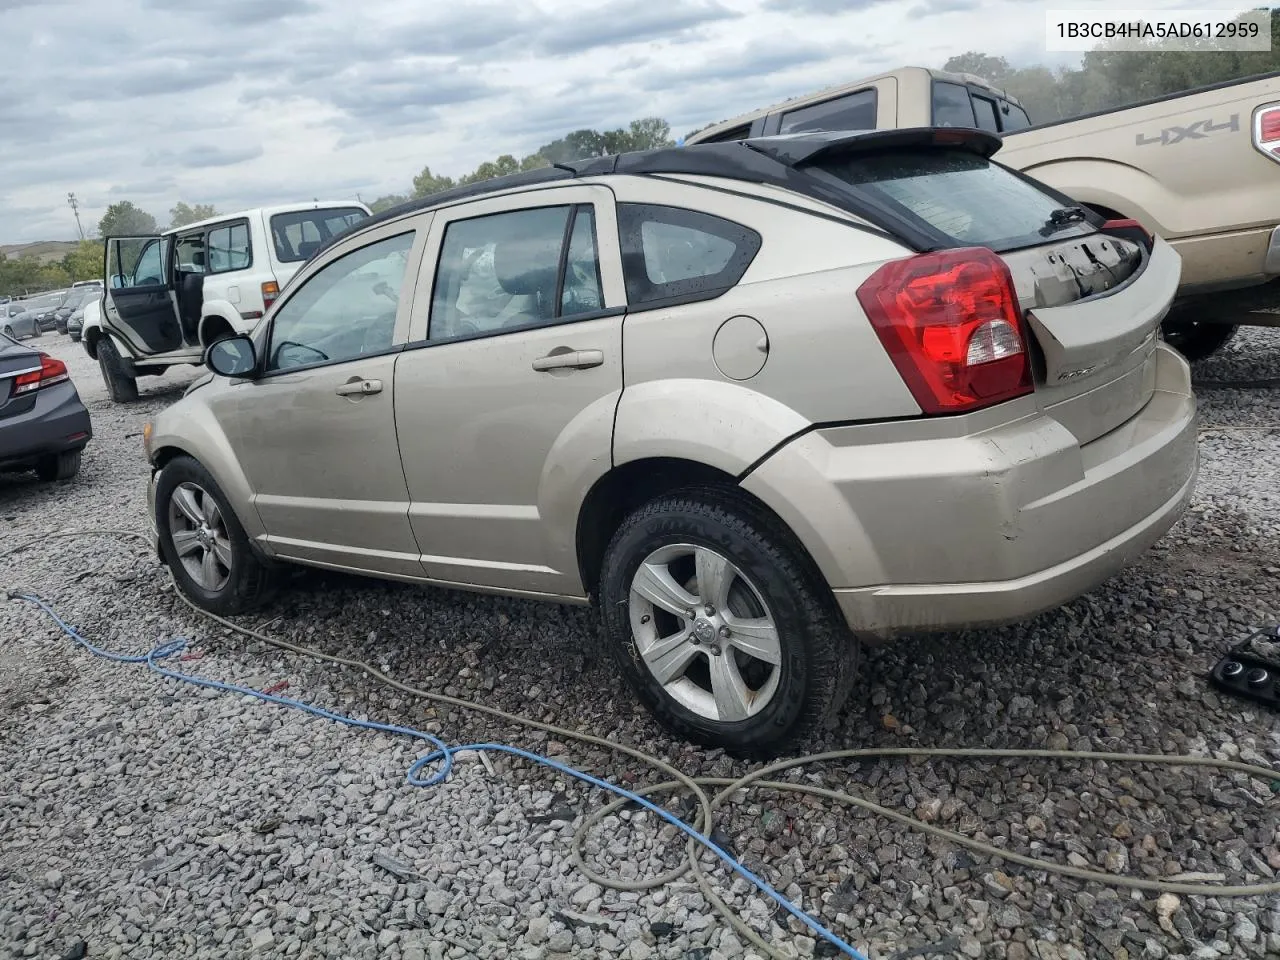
705,632
199,535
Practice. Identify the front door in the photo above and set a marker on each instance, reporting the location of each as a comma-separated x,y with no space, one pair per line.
138,306
315,430
506,394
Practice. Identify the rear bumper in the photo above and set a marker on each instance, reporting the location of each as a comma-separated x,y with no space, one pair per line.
56,424
985,527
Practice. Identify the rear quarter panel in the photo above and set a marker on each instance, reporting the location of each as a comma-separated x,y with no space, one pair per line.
822,360
1185,167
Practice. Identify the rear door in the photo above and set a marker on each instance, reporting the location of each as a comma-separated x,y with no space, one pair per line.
507,390
139,306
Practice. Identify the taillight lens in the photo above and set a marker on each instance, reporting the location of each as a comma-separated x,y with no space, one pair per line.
1130,230
950,322
51,371
270,290
1266,130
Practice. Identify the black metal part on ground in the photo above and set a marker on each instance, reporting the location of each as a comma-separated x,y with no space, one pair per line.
1250,669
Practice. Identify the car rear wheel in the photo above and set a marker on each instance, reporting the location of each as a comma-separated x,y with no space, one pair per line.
203,543
722,626
59,467
121,387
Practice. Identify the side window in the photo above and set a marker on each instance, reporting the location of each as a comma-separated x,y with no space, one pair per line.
1013,116
857,111
728,136
952,106
135,262
229,248
985,111
670,252
510,270
581,291
345,310
191,254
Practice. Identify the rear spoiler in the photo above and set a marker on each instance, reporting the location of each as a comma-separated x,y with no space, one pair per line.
806,148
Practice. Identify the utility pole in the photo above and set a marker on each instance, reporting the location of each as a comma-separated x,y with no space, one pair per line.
75,208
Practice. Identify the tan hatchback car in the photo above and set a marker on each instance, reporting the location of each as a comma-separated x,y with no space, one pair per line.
756,401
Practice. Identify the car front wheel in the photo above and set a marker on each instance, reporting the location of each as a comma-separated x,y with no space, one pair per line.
722,626
203,543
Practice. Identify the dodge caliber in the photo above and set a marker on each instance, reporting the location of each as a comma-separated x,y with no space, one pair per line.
757,402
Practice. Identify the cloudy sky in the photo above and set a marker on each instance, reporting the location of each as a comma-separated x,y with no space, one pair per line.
246,102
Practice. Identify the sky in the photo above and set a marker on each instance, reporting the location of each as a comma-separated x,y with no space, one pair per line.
242,103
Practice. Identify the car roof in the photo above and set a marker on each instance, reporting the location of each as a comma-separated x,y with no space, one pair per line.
265,212
843,89
771,160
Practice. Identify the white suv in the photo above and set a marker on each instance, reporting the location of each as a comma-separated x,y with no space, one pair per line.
168,297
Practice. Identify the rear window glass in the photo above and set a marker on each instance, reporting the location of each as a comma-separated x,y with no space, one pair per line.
857,111
963,197
986,114
299,234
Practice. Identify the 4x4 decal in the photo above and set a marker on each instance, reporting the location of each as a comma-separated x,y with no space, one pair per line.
1196,131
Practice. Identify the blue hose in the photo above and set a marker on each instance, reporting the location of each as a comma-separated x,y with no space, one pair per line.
443,755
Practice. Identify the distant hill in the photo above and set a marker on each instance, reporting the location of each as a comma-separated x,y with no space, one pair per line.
46,251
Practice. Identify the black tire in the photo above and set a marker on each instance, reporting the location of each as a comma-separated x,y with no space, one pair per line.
59,467
818,652
1197,340
121,387
8,332
250,583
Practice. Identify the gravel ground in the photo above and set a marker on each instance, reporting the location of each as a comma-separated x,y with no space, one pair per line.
148,818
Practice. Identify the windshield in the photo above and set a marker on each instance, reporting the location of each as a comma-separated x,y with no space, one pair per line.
299,234
966,199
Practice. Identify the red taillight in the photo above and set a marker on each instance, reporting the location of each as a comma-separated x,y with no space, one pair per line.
270,290
952,326
51,371
1130,230
1266,130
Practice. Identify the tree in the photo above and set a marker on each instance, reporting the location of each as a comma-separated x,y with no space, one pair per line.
25,275
85,261
992,69
181,215
504,166
123,219
387,202
426,183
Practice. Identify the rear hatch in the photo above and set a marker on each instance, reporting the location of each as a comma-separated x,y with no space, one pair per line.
1091,297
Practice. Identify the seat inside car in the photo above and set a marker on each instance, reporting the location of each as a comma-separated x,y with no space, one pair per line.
191,298
526,266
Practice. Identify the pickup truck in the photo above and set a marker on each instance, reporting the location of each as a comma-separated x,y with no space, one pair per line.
1198,168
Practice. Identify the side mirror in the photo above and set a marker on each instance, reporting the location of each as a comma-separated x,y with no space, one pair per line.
232,357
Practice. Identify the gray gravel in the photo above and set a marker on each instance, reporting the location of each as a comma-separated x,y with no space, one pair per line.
147,818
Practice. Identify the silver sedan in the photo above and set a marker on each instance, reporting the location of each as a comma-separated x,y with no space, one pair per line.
17,322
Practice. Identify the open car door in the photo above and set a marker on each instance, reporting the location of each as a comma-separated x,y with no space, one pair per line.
138,307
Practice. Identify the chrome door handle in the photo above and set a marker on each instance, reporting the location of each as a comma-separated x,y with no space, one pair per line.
358,387
577,359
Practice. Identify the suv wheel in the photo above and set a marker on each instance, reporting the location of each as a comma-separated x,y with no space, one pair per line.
721,626
121,387
203,543
58,467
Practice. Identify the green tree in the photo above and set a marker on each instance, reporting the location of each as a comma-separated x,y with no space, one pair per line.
182,214
23,275
426,183
504,166
993,69
387,202
123,219
534,161
85,261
